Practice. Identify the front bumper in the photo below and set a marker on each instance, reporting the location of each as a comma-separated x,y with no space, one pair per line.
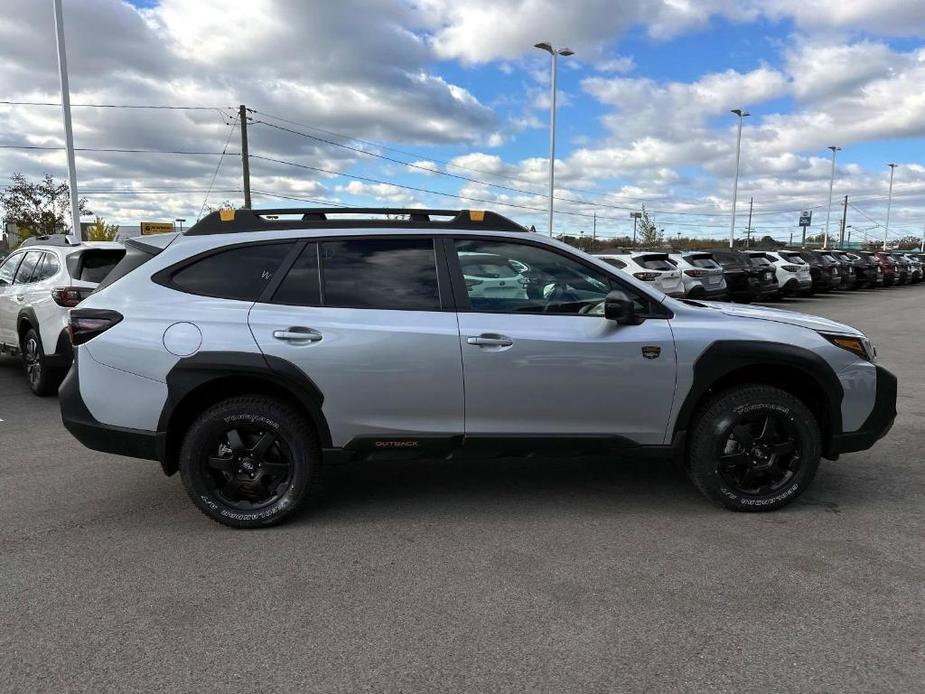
97,436
878,422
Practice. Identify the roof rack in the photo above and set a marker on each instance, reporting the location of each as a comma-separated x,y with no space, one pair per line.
244,220
51,240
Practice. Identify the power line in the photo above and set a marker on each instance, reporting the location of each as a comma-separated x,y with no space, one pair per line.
133,106
217,167
114,149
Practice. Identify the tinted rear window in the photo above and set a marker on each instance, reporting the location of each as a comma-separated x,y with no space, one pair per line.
385,273
237,273
655,262
703,261
759,260
616,263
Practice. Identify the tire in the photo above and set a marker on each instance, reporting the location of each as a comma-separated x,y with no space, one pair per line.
770,474
43,380
244,480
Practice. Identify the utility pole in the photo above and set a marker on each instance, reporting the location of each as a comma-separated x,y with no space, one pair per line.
555,53
844,220
593,230
922,247
889,204
245,160
748,231
791,240
66,113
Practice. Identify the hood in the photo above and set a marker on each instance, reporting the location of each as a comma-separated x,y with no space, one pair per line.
777,315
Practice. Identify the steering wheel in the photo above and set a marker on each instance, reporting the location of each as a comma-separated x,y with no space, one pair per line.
560,294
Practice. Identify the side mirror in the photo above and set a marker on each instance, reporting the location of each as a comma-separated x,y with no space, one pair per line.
620,308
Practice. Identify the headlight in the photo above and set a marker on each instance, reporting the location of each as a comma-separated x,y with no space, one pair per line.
860,346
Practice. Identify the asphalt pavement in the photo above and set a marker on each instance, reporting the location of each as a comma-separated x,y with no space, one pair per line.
561,575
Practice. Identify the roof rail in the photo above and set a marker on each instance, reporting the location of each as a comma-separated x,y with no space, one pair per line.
51,240
244,220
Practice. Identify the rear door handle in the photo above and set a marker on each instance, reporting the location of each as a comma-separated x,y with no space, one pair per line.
490,340
297,334
20,298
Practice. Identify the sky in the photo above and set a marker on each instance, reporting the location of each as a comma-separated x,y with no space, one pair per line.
445,104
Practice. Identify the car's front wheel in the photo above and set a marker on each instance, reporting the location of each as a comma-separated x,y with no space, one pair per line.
754,448
249,462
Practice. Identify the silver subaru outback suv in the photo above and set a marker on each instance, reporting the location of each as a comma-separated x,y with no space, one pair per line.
260,344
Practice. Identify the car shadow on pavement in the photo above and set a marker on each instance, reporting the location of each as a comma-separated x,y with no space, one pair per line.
505,486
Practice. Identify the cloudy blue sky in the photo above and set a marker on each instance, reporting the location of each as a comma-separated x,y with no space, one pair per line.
445,103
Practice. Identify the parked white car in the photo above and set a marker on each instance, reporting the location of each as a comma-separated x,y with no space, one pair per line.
39,283
793,274
648,266
702,276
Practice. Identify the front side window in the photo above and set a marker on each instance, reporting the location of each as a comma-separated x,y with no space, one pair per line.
544,282
383,273
26,267
8,269
238,273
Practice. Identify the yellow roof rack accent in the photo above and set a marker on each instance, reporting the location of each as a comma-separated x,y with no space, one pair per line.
476,215
226,215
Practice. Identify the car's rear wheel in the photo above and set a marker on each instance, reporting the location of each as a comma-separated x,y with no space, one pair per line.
249,462
754,448
43,380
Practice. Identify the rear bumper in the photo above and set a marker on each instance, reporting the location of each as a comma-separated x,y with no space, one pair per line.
878,422
63,355
97,436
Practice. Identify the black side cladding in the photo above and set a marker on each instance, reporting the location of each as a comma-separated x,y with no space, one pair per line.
726,356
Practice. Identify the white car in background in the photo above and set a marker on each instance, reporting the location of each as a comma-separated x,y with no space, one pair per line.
702,276
39,283
793,274
493,277
648,266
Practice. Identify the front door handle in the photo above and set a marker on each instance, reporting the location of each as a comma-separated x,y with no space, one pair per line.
490,340
297,334
20,298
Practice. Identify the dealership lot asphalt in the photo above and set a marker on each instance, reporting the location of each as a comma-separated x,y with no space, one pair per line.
553,575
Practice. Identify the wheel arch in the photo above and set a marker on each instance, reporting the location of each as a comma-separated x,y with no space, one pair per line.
796,370
25,320
198,382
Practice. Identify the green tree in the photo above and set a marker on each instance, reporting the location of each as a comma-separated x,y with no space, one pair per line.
101,231
38,208
649,234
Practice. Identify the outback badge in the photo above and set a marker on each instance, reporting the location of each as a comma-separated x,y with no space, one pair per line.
651,351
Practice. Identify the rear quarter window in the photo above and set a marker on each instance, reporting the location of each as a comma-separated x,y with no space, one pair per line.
241,272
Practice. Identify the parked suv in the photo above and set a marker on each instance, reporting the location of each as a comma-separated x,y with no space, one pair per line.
792,273
703,277
256,345
39,282
746,282
648,266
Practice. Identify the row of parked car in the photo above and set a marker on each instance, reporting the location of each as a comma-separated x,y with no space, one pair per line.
755,275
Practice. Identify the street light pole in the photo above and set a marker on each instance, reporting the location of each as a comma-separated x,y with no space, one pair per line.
889,204
828,209
735,184
555,53
66,113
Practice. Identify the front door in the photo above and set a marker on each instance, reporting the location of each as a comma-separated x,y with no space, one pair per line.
365,319
543,361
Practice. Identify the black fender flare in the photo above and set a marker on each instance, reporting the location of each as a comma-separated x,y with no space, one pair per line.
190,373
724,357
27,314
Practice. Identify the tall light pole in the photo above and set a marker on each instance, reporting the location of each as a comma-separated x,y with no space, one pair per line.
889,204
180,221
555,53
828,210
66,113
735,183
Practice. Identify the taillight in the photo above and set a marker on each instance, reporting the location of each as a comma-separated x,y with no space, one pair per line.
790,268
696,273
69,297
87,323
646,276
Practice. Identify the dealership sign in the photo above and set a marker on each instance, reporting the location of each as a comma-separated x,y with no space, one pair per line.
148,228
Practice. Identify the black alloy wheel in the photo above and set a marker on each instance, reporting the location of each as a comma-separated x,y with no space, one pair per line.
760,455
250,467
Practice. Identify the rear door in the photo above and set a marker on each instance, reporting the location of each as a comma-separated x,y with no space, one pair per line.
547,363
369,320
